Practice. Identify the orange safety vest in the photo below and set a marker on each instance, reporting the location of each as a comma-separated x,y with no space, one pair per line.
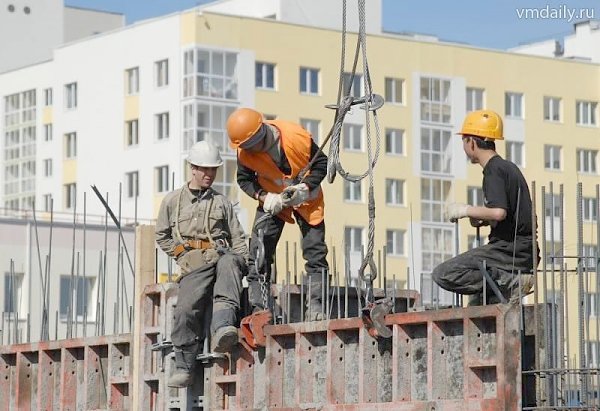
296,143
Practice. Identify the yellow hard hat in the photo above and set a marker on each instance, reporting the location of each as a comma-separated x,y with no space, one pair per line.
483,123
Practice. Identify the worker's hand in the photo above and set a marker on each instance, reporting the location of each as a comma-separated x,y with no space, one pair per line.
456,211
295,195
273,203
475,222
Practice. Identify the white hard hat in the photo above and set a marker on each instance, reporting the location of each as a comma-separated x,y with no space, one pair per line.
204,154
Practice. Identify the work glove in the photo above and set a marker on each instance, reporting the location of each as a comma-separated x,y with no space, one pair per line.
456,211
273,203
295,195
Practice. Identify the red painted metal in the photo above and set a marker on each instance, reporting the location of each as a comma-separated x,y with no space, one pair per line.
252,328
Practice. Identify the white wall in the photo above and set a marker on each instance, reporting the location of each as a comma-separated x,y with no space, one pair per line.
29,38
80,23
317,13
18,243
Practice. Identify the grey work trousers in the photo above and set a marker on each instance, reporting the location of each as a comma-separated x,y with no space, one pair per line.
314,252
462,275
221,282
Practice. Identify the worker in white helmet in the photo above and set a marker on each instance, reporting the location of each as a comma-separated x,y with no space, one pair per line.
198,227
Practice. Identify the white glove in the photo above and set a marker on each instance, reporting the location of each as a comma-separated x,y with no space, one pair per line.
455,211
295,195
273,203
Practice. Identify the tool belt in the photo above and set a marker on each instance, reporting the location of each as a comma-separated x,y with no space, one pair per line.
191,245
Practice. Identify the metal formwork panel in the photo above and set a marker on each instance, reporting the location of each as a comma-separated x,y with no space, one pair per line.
455,359
77,374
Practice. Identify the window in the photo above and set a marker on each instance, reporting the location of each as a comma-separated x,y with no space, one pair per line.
71,96
131,184
395,242
309,80
71,145
210,73
132,81
590,251
225,182
394,90
593,352
352,134
552,109
394,141
438,246
552,205
475,196
131,133
435,150
434,193
394,191
48,202
13,286
70,191
161,73
47,132
313,127
513,105
587,161
48,167
265,76
474,99
552,156
353,238
352,190
514,152
161,178
352,86
204,121
586,113
590,210
435,100
47,97
75,292
161,125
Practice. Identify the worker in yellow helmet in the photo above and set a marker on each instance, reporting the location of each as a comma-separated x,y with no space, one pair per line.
507,209
271,158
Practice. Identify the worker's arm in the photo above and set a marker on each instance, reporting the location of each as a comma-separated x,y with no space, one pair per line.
318,171
238,238
163,232
248,181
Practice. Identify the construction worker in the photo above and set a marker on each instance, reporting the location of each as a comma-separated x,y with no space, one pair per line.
272,156
507,210
198,227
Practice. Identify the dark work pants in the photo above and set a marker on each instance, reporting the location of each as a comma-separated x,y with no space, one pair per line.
461,274
221,282
314,252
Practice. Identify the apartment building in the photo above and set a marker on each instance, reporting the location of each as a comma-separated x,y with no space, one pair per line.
119,110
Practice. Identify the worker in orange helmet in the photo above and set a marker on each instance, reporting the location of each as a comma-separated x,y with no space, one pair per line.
507,210
271,157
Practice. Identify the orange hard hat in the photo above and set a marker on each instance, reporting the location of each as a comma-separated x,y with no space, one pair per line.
486,124
242,125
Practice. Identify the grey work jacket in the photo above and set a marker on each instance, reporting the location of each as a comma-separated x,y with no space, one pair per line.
222,220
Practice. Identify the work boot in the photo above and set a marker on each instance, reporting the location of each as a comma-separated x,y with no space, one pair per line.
224,339
185,362
314,310
526,288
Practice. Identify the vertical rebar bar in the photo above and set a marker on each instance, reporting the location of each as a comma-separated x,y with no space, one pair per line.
301,297
580,294
42,275
347,279
83,268
546,328
77,296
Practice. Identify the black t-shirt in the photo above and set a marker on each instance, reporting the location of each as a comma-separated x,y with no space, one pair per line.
502,181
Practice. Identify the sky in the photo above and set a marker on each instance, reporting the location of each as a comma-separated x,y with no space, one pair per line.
498,24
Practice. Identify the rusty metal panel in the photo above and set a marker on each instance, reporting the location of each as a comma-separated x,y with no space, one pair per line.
455,359
65,375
